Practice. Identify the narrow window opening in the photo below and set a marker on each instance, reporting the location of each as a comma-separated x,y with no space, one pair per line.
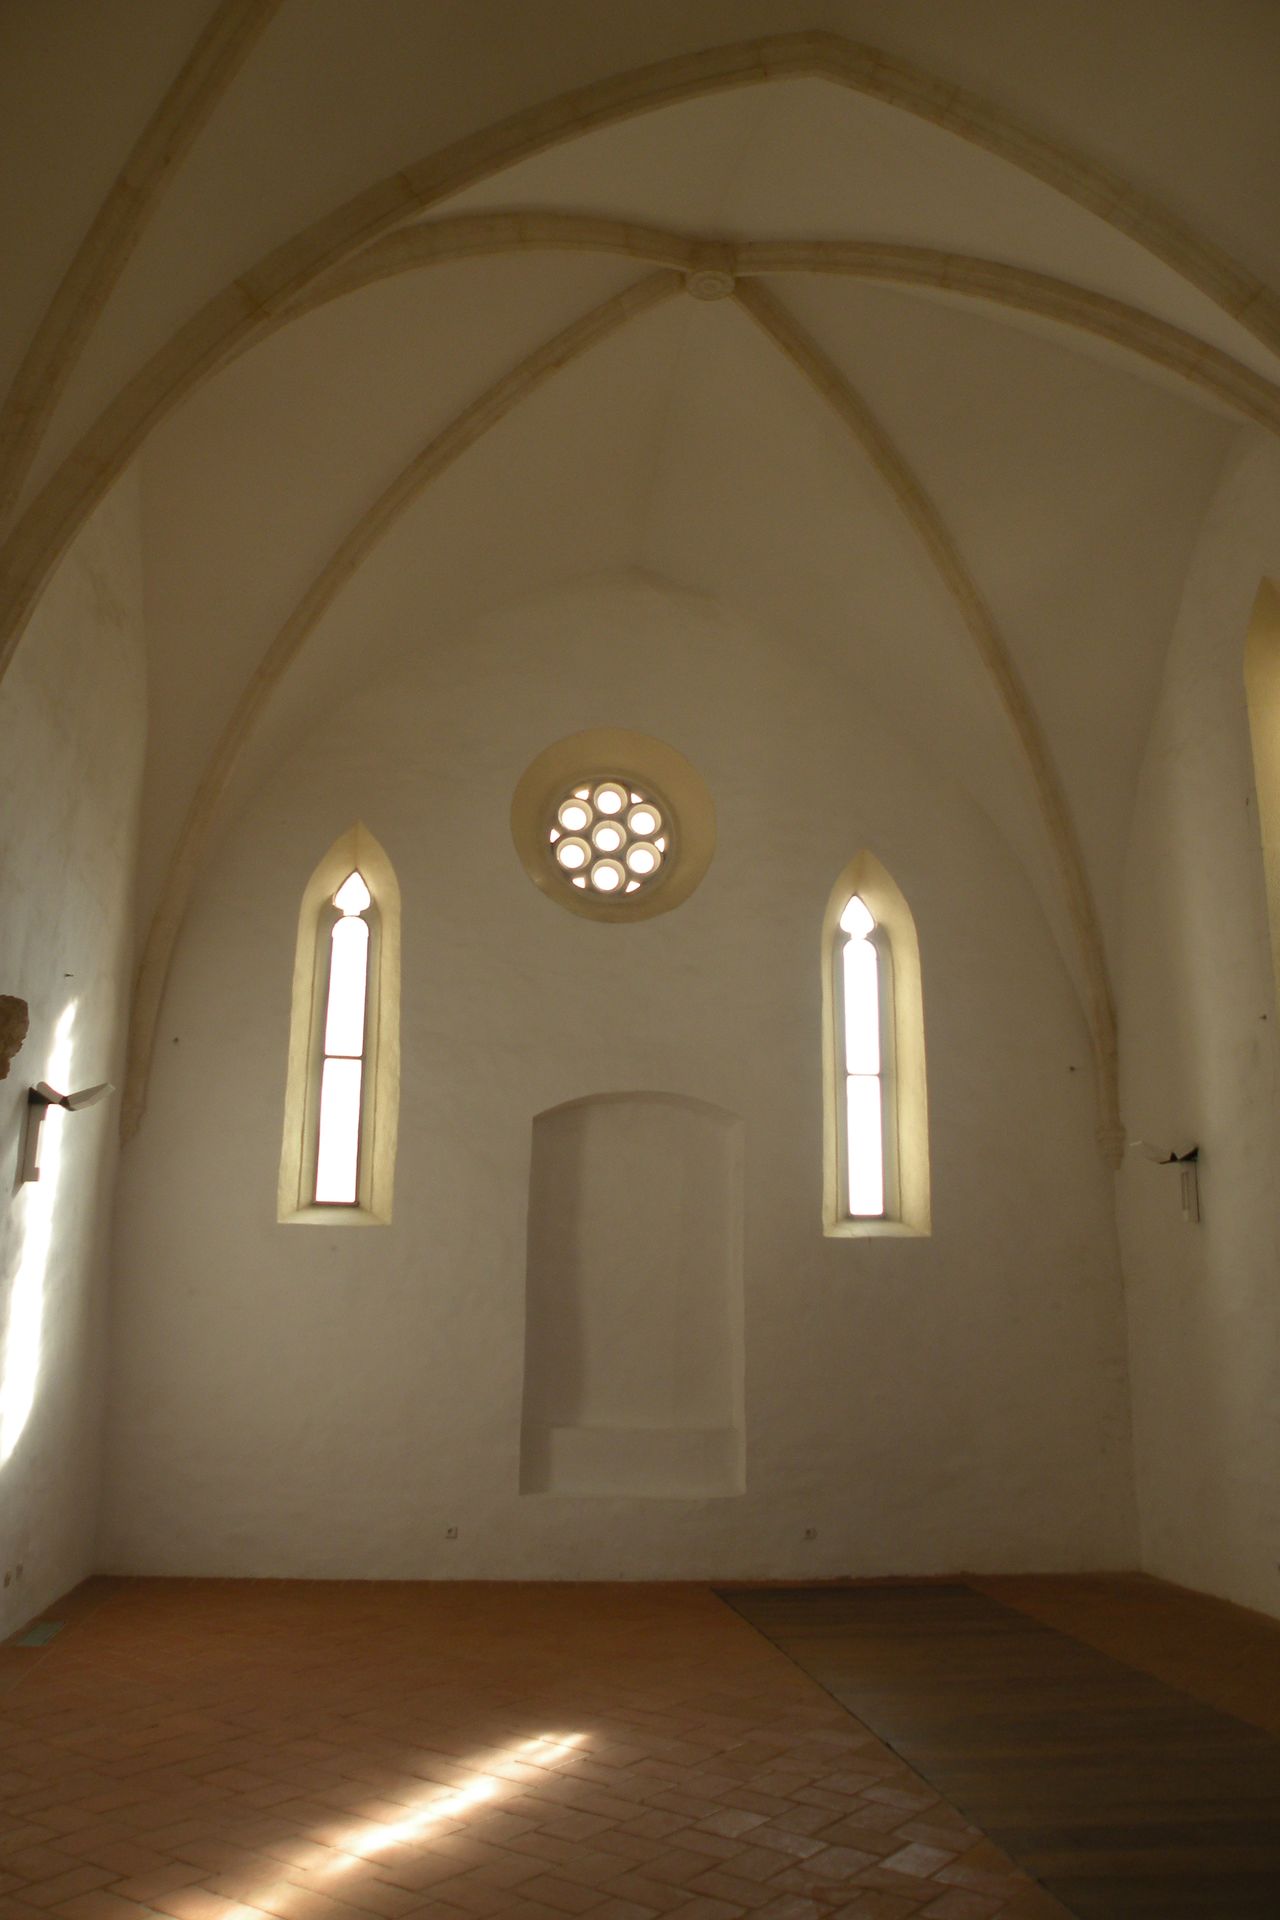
863,1108
876,1146
337,1161
1262,694
342,1072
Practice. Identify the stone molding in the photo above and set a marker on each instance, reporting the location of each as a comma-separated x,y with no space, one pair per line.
926,522
234,317
103,254
350,554
278,286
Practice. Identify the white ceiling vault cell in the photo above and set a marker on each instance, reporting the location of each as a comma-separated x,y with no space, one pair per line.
949,292
1057,824
267,467
805,160
863,72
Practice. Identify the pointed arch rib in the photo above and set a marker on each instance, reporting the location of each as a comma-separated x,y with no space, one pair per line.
435,458
235,315
968,276
230,34
918,509
471,236
1023,290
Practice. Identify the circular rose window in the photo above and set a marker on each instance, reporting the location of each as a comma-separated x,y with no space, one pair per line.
613,825
609,837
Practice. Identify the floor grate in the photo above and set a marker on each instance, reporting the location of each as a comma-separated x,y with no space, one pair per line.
40,1635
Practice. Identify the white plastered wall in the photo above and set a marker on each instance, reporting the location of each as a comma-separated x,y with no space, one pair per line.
1198,1020
72,724
314,1402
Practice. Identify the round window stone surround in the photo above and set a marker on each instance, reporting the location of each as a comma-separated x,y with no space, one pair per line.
613,764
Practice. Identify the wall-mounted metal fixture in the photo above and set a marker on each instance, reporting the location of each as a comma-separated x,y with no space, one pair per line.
1186,1159
39,1100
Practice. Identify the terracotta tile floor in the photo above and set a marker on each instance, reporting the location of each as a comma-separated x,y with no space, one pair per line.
226,1750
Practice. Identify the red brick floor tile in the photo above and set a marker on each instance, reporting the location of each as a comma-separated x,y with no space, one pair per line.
566,1895
103,1905
877,1906
712,1846
919,1859
38,1863
197,1903
145,1886
955,1839
733,1821
706,1908
678,1865
648,1893
796,1846
64,1886
636,1847
209,1750
958,1905
717,1884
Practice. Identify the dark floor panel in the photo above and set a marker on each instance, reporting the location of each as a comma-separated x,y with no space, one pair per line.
1126,1798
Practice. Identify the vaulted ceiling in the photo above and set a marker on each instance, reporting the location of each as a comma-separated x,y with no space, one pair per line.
917,334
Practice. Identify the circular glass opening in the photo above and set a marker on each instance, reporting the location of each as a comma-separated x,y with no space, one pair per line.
572,853
609,836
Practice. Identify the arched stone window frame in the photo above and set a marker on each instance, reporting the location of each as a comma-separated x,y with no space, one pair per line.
354,851
1262,699
904,1092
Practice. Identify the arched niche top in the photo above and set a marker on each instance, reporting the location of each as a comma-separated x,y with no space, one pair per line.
1262,699
356,850
705,1109
910,1210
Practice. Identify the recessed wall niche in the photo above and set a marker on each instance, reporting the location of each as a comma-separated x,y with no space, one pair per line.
633,1319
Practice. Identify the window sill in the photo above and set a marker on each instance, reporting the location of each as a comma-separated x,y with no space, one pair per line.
332,1217
874,1230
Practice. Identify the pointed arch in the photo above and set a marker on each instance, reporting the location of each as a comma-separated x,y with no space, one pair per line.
922,516
230,35
897,1018
243,310
963,276
375,1053
466,428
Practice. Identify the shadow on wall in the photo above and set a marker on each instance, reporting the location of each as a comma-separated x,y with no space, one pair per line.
633,1316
